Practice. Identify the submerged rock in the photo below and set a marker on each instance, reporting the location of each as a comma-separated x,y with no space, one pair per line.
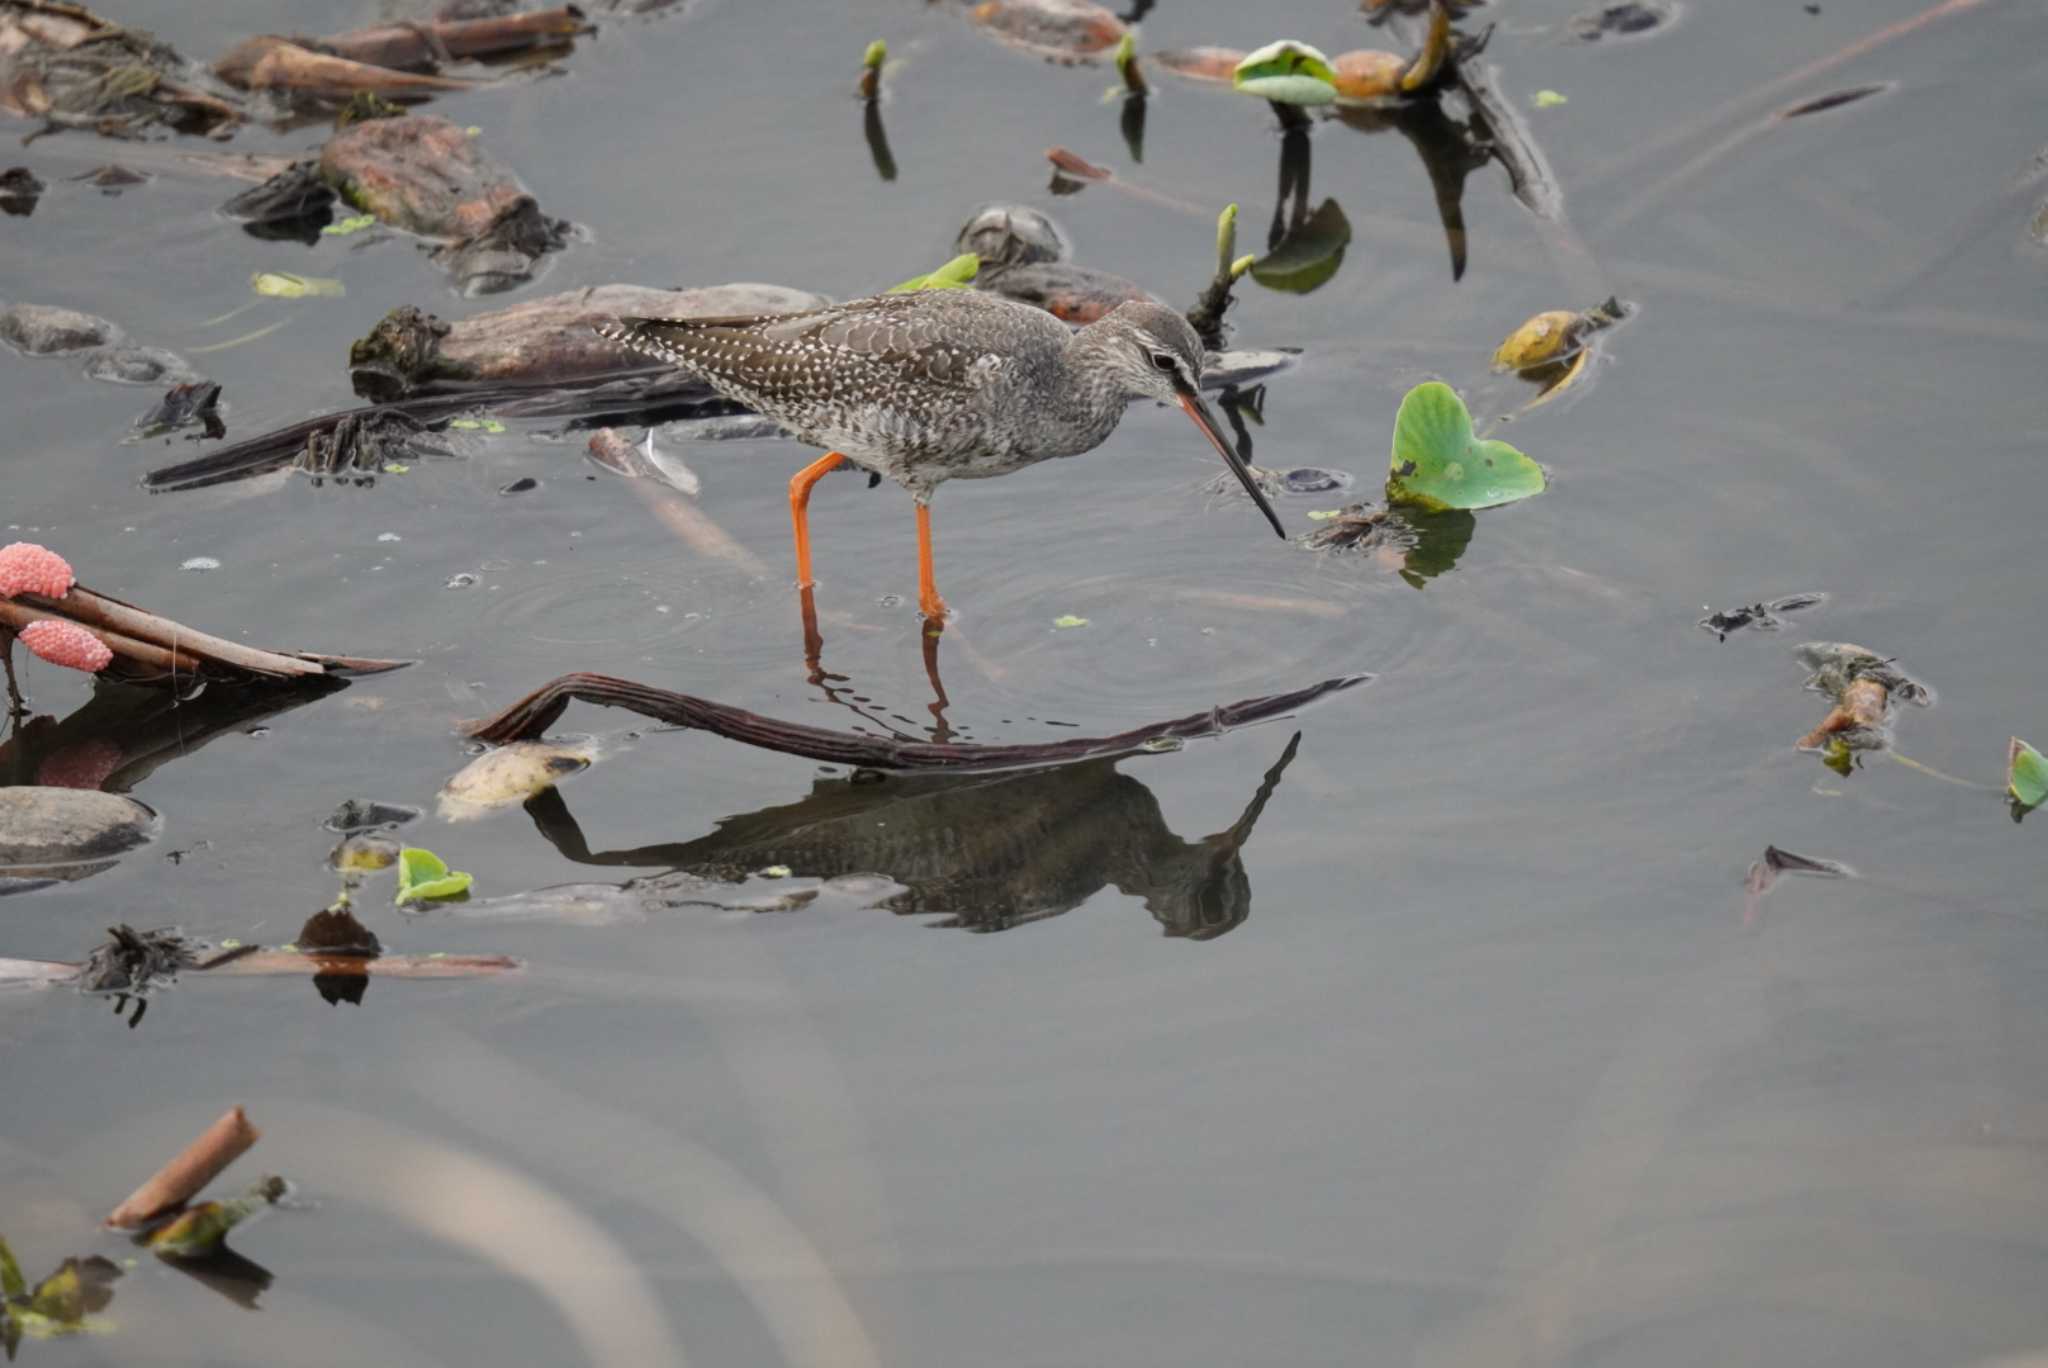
133,365
68,833
1004,235
1626,18
47,330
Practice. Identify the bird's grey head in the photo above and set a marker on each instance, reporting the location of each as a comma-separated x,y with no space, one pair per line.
1152,351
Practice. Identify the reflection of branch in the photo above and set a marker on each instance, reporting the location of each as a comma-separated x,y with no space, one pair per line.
534,714
1657,150
878,140
1530,177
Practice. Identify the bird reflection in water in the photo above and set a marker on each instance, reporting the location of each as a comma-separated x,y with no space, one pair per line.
983,852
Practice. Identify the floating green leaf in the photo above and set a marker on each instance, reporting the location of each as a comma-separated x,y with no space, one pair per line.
354,223
423,874
1549,99
285,285
1439,464
1065,620
951,276
1286,72
2026,774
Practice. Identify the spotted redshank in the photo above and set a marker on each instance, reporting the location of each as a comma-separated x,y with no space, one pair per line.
936,385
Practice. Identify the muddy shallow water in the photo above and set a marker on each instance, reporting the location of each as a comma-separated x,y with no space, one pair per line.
1475,1063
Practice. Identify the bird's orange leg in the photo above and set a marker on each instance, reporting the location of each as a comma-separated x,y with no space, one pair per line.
928,601
799,502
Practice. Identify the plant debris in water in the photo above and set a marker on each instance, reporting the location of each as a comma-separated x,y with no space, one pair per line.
1626,19
1764,873
1764,617
183,406
198,1231
67,1302
1862,685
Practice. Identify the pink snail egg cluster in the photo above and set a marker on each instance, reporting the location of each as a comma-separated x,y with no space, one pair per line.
26,568
66,644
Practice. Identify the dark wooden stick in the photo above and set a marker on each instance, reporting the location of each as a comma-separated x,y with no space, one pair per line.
534,714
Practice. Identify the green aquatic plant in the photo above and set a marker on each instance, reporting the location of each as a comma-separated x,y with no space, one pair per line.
198,1231
423,874
2026,774
1439,463
1287,73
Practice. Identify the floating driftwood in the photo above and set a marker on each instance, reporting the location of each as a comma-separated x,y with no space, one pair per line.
390,59
534,714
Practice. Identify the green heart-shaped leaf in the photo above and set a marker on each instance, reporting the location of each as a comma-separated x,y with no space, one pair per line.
423,874
1286,72
1439,464
2026,774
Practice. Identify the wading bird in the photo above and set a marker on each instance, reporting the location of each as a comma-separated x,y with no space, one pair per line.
936,385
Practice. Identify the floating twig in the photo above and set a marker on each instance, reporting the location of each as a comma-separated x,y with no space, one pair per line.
179,1181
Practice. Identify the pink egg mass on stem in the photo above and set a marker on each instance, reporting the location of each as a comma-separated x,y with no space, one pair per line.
66,644
26,568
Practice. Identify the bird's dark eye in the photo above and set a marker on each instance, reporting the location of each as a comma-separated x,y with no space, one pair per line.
1163,360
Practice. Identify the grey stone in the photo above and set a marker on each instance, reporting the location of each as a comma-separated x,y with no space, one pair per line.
132,365
43,830
46,330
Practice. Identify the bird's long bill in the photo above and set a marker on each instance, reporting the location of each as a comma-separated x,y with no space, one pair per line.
1198,411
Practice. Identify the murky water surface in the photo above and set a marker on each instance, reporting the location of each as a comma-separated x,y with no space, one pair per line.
1468,1059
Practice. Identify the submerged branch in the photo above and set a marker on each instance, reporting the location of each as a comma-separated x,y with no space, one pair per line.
533,715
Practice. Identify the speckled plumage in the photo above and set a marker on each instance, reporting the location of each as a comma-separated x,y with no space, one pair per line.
934,385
